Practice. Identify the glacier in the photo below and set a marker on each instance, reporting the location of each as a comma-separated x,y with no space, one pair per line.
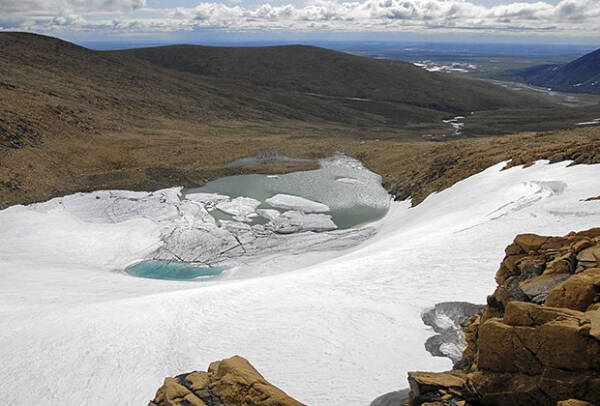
331,320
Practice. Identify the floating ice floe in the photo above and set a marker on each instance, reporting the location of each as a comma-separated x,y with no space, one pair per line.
269,214
291,202
241,208
201,197
295,222
348,180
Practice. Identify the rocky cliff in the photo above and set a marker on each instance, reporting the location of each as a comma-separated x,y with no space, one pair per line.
537,342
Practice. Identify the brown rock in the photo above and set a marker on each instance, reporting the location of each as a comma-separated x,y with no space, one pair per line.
542,285
236,382
594,317
508,268
521,353
595,306
470,352
231,382
532,315
427,381
573,402
501,350
501,389
591,254
513,249
434,387
532,338
591,233
554,244
581,244
532,266
172,393
530,242
564,263
578,292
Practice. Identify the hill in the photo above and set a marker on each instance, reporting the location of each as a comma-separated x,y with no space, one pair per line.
579,76
74,119
319,71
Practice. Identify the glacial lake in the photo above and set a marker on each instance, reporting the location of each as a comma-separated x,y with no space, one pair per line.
254,215
353,194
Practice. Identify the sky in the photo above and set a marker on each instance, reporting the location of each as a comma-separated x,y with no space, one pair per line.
549,21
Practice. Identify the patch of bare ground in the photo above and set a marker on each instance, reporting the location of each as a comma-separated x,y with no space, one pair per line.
176,153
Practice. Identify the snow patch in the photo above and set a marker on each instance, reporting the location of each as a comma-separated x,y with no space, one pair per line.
355,304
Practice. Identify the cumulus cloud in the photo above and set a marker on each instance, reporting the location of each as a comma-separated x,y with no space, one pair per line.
571,16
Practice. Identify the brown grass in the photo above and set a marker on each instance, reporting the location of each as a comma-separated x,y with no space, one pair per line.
187,155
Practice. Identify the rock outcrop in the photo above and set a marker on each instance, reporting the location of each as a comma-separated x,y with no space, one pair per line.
537,342
230,382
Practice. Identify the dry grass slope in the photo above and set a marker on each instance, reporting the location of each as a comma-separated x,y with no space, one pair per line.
75,120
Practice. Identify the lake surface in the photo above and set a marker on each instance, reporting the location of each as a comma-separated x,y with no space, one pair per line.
168,270
353,194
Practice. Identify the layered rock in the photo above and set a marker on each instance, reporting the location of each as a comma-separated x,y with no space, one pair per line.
537,342
230,382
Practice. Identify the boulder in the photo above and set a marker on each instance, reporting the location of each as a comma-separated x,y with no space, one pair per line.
172,393
532,339
230,382
540,286
501,389
431,387
564,263
590,254
578,292
594,318
530,242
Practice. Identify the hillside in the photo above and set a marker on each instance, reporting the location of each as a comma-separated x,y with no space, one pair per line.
75,119
48,85
319,71
580,76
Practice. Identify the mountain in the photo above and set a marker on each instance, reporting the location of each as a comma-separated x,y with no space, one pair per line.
49,85
579,76
75,119
332,74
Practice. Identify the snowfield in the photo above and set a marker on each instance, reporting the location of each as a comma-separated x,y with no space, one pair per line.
332,327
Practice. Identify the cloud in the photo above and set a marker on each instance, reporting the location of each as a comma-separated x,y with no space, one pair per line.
568,16
41,6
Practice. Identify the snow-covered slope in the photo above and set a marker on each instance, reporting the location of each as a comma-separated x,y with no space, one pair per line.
337,332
